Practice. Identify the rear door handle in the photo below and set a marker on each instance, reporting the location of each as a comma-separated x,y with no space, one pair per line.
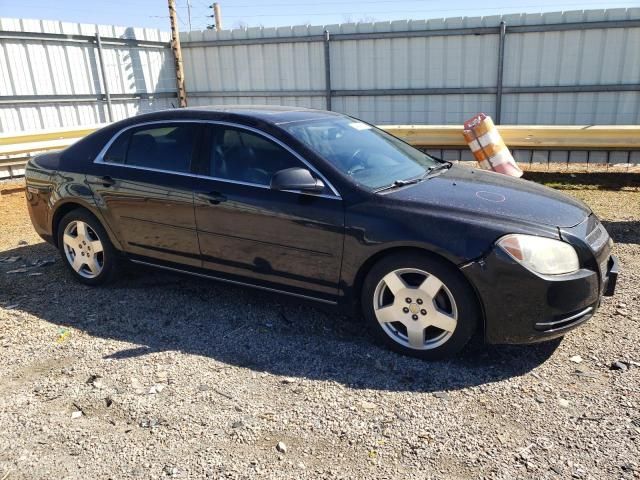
212,197
105,181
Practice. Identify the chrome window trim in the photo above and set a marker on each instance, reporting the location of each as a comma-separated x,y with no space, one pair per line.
100,157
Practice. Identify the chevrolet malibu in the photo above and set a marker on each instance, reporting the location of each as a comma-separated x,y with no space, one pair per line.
325,207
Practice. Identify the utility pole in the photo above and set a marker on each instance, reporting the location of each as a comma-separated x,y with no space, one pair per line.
177,54
217,18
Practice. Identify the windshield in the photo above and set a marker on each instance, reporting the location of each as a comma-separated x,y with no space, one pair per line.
369,155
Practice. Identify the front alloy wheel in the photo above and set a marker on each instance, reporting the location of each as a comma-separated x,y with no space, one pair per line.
415,308
419,305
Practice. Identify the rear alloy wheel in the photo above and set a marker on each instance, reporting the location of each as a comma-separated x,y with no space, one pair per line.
419,306
85,247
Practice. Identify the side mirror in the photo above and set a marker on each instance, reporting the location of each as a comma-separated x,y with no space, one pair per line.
296,179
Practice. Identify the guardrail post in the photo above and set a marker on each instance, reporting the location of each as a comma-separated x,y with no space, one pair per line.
503,34
327,69
103,77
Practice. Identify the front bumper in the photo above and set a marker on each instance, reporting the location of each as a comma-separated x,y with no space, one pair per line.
524,307
611,276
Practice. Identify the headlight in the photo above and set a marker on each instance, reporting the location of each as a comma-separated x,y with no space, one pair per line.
542,255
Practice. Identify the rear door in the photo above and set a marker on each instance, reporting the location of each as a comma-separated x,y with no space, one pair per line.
280,239
144,186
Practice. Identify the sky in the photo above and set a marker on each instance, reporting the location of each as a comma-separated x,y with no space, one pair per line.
251,13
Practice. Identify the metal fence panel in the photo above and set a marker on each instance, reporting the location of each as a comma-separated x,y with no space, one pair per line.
50,73
579,67
268,67
603,108
415,109
295,101
428,62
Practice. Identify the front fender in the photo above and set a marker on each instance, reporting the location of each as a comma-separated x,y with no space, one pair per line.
377,226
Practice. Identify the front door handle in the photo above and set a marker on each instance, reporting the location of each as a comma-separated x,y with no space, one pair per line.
105,181
212,197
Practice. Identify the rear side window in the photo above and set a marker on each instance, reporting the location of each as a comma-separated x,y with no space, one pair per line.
164,147
118,150
244,156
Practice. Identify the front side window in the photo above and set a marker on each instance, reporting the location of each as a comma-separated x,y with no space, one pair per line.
243,156
370,156
164,147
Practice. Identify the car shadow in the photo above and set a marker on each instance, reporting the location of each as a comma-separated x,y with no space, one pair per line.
624,231
151,311
614,181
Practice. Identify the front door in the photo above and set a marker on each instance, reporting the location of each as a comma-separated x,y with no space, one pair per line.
144,188
280,239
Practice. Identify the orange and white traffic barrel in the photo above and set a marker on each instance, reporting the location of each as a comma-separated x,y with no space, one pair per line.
487,146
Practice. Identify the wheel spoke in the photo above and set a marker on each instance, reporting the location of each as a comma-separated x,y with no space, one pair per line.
81,229
93,266
415,333
96,246
431,286
69,240
77,264
394,282
387,314
442,320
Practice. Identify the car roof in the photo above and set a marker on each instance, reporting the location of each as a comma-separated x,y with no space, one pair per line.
251,115
274,114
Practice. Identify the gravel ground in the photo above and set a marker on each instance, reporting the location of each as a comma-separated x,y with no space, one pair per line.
162,376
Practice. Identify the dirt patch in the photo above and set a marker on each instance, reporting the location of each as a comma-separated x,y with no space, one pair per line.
163,376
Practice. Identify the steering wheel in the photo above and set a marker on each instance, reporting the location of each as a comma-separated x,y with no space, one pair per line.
355,163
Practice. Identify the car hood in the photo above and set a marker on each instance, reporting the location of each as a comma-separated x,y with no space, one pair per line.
480,192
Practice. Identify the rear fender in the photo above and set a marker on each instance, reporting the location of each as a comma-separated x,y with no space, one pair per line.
73,192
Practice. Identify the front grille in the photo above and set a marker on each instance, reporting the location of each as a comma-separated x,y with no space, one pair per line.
598,237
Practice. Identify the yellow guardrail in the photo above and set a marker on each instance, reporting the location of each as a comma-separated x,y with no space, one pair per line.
612,137
527,136
40,141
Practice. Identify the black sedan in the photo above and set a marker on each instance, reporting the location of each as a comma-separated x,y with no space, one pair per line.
326,207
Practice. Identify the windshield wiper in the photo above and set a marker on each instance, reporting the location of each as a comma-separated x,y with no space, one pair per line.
401,183
444,165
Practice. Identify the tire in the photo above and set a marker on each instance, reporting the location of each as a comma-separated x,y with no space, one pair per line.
81,236
419,305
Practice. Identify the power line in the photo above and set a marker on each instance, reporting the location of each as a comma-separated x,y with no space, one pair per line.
330,2
408,12
46,4
189,13
182,22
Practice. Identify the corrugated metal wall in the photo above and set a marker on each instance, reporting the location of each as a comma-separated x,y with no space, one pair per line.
591,57
419,71
294,65
369,76
50,81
